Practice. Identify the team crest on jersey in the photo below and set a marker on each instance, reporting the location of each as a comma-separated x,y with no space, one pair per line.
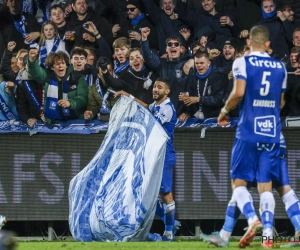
265,125
236,71
178,73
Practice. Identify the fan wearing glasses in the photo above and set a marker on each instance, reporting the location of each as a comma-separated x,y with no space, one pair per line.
170,68
136,21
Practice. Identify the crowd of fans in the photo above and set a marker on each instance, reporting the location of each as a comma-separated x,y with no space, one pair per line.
59,57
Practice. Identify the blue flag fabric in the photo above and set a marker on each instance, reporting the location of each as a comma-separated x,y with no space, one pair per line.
114,197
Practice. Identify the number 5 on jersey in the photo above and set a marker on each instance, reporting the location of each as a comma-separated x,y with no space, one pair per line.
266,84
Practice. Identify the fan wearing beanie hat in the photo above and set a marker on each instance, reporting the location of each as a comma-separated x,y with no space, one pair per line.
225,60
229,48
135,3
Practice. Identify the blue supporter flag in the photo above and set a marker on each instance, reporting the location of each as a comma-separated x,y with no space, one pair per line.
114,197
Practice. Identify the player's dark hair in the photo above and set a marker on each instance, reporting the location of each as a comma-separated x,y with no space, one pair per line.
165,81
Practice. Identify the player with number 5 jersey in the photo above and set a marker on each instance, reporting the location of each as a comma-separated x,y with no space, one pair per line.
260,107
259,86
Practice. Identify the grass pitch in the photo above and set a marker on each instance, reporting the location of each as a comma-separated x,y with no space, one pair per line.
177,245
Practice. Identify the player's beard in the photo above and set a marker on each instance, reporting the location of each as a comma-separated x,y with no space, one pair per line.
159,97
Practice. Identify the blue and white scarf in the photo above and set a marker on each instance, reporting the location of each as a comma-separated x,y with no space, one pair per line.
89,79
32,96
27,6
44,53
118,67
6,110
104,96
20,27
18,78
52,110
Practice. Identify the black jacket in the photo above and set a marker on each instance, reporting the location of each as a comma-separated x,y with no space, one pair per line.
223,65
212,101
123,32
280,35
221,5
9,32
296,9
202,22
88,70
247,12
118,10
5,66
25,106
170,70
165,26
104,28
133,83
292,96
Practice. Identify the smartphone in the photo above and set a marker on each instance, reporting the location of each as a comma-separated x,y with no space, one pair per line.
85,25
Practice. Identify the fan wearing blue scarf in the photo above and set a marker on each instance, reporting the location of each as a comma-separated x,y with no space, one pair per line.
20,21
134,12
65,95
280,27
206,88
269,10
121,48
136,21
49,41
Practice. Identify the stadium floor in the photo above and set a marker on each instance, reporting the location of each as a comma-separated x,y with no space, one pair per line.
177,245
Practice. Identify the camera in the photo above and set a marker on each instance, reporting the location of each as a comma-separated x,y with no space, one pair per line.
85,25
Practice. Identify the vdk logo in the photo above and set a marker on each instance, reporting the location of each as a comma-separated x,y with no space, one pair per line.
265,125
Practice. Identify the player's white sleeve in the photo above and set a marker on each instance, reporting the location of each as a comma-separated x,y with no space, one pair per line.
165,114
239,69
284,82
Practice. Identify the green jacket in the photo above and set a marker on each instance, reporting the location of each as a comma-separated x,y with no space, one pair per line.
95,102
77,97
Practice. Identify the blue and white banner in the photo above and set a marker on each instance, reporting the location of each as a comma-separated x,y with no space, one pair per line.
114,197
94,126
68,127
206,123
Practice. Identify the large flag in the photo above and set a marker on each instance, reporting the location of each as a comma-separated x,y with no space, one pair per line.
114,197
